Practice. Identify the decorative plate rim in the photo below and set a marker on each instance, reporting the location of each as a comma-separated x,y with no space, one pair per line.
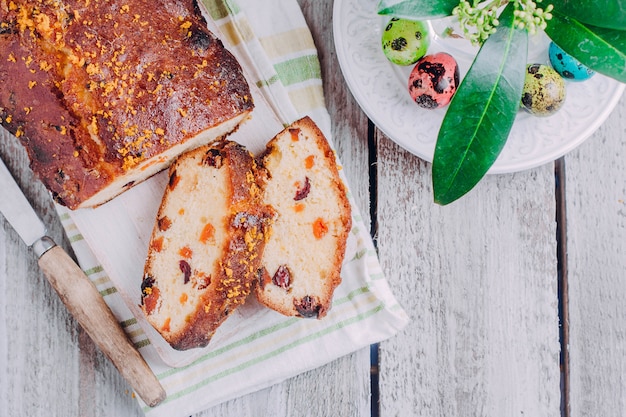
377,86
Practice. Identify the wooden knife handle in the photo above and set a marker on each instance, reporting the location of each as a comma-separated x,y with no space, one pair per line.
85,303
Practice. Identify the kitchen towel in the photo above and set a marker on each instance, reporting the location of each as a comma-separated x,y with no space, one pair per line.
255,347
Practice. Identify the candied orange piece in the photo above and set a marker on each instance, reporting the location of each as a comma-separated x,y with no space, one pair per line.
208,232
320,228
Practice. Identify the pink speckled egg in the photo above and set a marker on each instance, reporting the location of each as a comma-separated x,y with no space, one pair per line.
434,80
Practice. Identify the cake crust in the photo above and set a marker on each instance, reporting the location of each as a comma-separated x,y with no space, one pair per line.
103,94
205,247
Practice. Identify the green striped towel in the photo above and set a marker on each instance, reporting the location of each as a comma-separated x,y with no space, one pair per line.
255,347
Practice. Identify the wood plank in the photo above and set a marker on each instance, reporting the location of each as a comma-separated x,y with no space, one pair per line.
342,387
479,279
596,237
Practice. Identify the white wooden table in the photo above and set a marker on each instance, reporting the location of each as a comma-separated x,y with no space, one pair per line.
496,285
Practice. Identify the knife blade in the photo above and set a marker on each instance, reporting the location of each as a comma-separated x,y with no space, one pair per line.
78,293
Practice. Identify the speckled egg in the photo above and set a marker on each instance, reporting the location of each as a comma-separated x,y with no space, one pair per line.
544,90
434,80
566,65
405,41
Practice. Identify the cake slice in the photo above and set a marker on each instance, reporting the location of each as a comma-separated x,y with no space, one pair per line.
302,259
205,247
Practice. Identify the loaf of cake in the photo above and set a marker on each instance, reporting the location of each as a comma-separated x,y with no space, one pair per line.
105,93
302,259
204,253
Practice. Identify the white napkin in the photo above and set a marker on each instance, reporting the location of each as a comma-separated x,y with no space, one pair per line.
255,347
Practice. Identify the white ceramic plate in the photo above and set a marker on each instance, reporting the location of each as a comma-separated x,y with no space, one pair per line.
381,90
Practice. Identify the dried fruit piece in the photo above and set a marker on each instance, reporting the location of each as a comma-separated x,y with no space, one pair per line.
185,252
309,161
303,191
164,223
320,228
157,244
166,325
183,298
294,134
202,280
213,157
208,233
308,306
174,179
149,294
185,269
282,277
147,284
263,277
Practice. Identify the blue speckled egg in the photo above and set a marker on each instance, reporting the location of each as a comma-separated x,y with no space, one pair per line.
566,65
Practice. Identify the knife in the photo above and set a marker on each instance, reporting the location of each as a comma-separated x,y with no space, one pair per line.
78,293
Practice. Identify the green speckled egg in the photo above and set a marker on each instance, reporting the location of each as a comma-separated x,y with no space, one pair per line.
544,90
405,41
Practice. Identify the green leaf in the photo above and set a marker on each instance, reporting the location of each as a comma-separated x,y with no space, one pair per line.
417,9
601,13
603,50
482,112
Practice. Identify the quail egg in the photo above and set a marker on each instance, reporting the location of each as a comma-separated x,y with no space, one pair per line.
544,90
434,80
568,66
405,41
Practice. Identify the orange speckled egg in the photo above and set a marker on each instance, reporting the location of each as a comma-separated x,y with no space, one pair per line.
434,80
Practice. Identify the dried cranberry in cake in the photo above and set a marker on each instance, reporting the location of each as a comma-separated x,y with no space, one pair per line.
149,294
164,223
213,157
185,269
303,190
173,179
282,277
308,307
208,265
306,247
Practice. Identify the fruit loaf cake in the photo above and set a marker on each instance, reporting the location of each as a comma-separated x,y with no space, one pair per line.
105,93
205,247
302,260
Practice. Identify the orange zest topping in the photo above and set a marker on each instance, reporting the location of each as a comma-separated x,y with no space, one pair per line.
320,228
309,161
208,232
185,252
